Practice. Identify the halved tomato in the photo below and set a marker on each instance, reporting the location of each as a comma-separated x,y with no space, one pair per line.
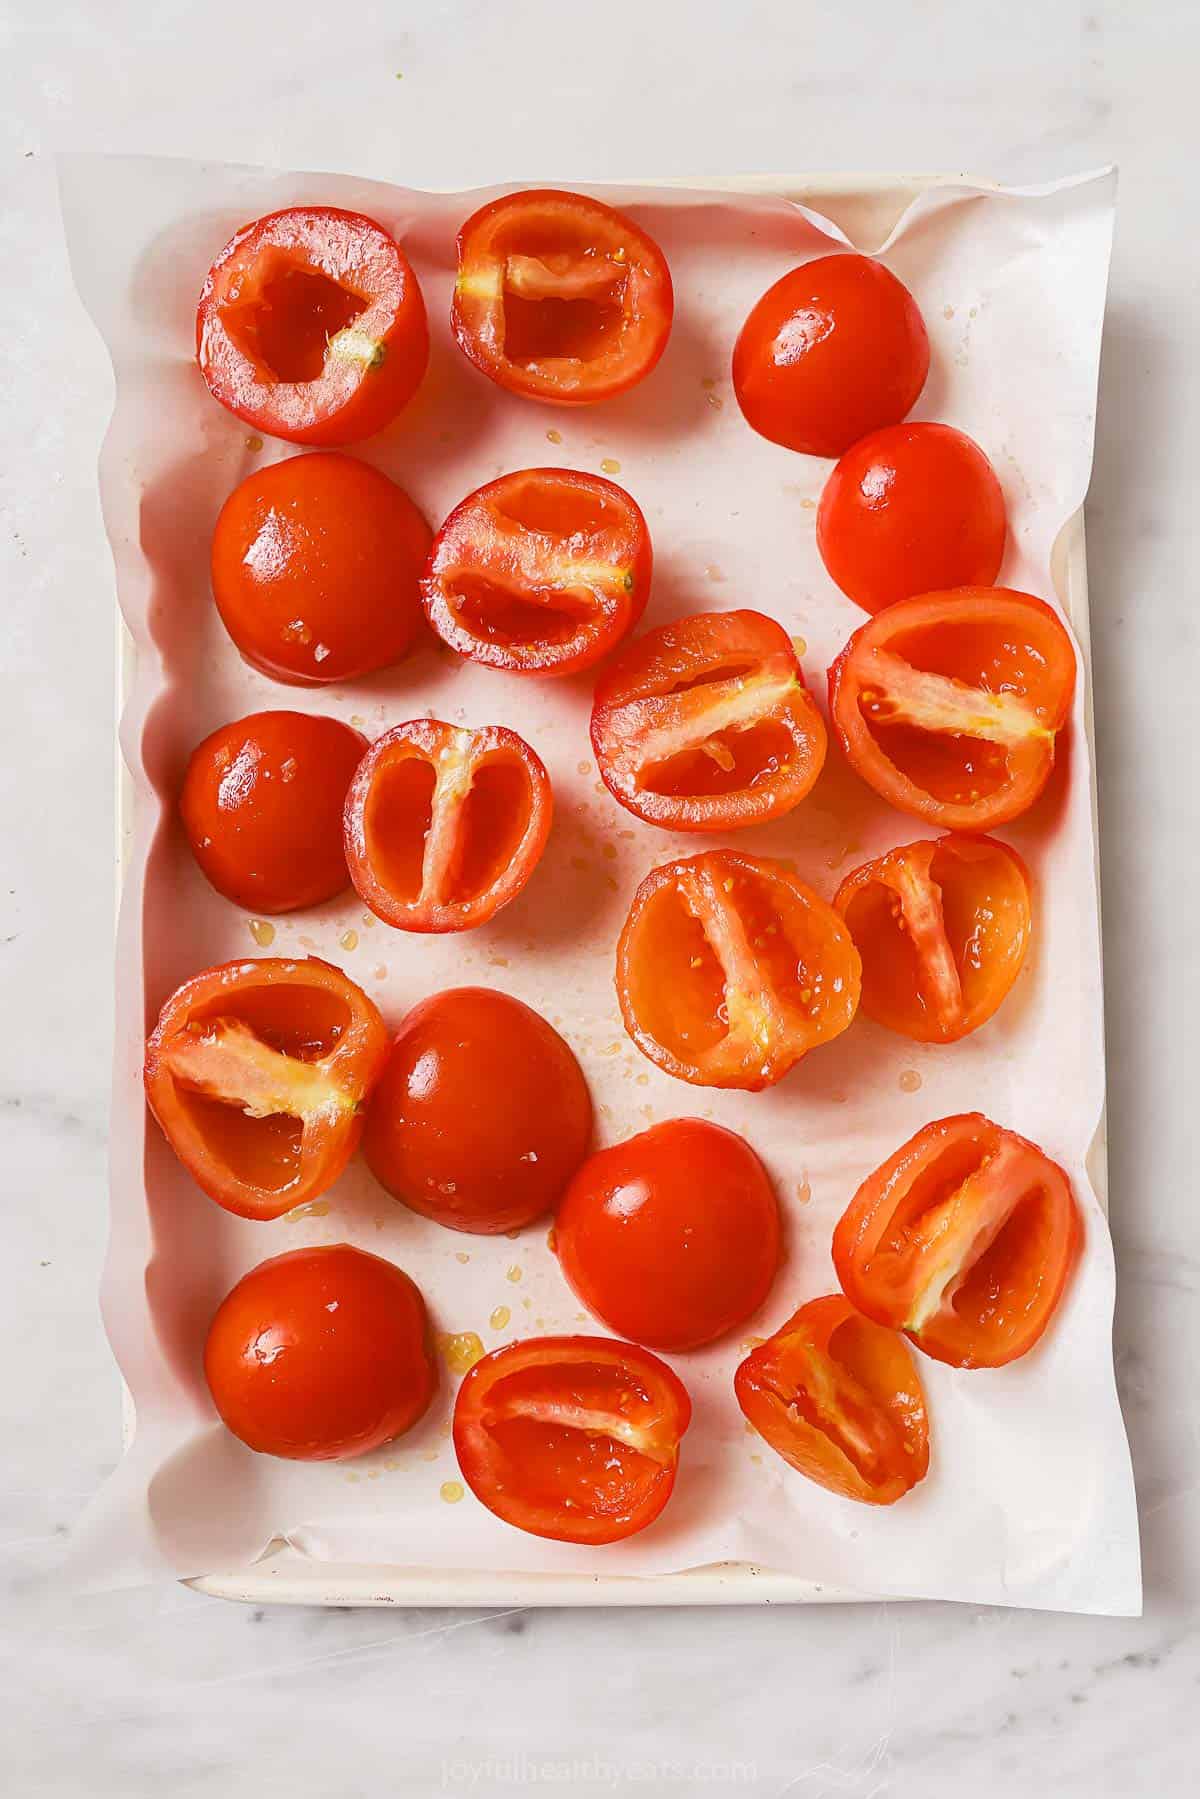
840,1399
574,1438
444,825
540,572
963,1240
257,1072
948,704
311,326
729,969
942,927
705,724
560,297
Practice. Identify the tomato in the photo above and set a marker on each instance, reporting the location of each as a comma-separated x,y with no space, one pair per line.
729,970
840,1399
320,1355
911,509
574,1438
311,326
836,348
540,572
948,705
942,927
257,1072
444,826
706,725
672,1237
482,1114
315,569
262,807
560,297
963,1240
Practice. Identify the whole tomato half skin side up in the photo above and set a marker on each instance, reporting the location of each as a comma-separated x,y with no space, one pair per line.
311,326
258,1072
560,298
840,1399
539,573
572,1438
964,1239
706,724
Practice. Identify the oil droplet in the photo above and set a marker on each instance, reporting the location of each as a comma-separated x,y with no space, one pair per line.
355,1478
372,1473
804,1190
610,466
452,1491
499,1318
460,1350
947,312
254,443
553,436
714,400
643,1080
808,504
263,932
514,1273
910,1081
349,939
497,961
757,1459
380,972
429,1455
749,1429
752,1342
527,1303
583,768
613,1049
460,1255
357,720
600,788
512,1235
369,920
800,645
552,1241
539,1324
317,1208
713,572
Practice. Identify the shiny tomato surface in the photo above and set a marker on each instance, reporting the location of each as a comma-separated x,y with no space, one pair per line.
258,1072
706,724
574,1438
311,326
560,297
482,1114
320,1355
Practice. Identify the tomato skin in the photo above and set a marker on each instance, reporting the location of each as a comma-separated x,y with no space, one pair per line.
311,326
530,1437
482,1113
836,348
320,1355
257,1072
510,547
559,297
683,747
672,1237
262,803
963,1239
840,1399
908,510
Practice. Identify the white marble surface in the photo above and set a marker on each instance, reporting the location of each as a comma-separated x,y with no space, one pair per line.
167,1691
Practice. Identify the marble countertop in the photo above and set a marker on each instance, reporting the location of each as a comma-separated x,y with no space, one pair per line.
144,1692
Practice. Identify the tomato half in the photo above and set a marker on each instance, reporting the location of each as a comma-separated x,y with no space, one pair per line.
444,826
963,1240
262,804
672,1237
840,1399
540,572
320,1355
911,509
311,326
706,725
942,927
482,1114
836,348
574,1438
729,969
560,297
257,1072
948,705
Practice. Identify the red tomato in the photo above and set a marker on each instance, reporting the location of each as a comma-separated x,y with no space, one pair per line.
311,326
948,705
963,1240
574,1438
840,1399
320,1355
262,807
482,1114
672,1237
540,572
942,927
444,826
257,1072
911,509
706,724
559,297
835,349
315,569
729,970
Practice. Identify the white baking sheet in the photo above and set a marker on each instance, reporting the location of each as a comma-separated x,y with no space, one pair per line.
1029,1500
